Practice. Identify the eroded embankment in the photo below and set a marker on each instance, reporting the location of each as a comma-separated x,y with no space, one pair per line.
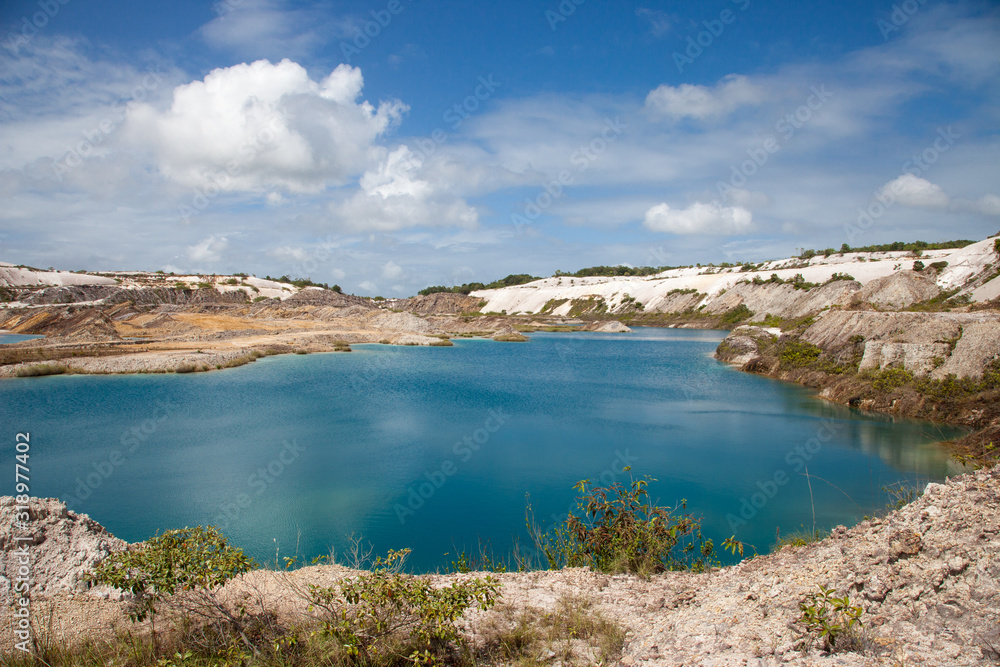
939,366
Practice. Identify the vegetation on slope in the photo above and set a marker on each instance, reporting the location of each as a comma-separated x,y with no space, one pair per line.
466,288
381,616
896,246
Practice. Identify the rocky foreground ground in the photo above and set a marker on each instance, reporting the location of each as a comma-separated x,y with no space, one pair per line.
926,575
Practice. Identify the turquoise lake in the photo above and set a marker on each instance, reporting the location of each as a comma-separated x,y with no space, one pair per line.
435,449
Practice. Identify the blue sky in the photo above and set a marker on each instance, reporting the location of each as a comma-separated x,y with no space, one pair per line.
390,145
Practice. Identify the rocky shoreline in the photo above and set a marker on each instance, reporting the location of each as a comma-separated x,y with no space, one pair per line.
927,577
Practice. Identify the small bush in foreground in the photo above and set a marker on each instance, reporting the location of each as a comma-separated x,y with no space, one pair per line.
384,616
832,620
620,529
187,559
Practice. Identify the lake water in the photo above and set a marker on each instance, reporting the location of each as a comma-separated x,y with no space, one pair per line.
6,338
436,448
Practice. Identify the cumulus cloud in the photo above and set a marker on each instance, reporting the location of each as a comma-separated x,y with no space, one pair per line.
208,251
749,199
264,125
392,197
914,191
391,270
910,190
701,102
989,205
699,218
985,205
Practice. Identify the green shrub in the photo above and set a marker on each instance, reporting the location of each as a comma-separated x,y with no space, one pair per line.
828,617
839,276
799,353
918,265
953,388
736,315
890,379
187,559
383,616
798,281
620,529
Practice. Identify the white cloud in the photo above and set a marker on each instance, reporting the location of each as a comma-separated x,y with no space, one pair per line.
270,29
910,190
391,270
262,125
985,205
699,218
208,251
368,286
701,102
393,198
989,205
749,199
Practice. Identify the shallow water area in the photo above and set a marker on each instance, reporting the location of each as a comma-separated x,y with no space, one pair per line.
8,338
438,449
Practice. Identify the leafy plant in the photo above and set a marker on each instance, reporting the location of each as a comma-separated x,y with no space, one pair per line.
889,379
178,560
736,315
828,617
799,353
620,529
383,613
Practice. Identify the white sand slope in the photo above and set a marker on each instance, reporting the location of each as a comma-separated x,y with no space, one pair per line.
651,291
10,276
